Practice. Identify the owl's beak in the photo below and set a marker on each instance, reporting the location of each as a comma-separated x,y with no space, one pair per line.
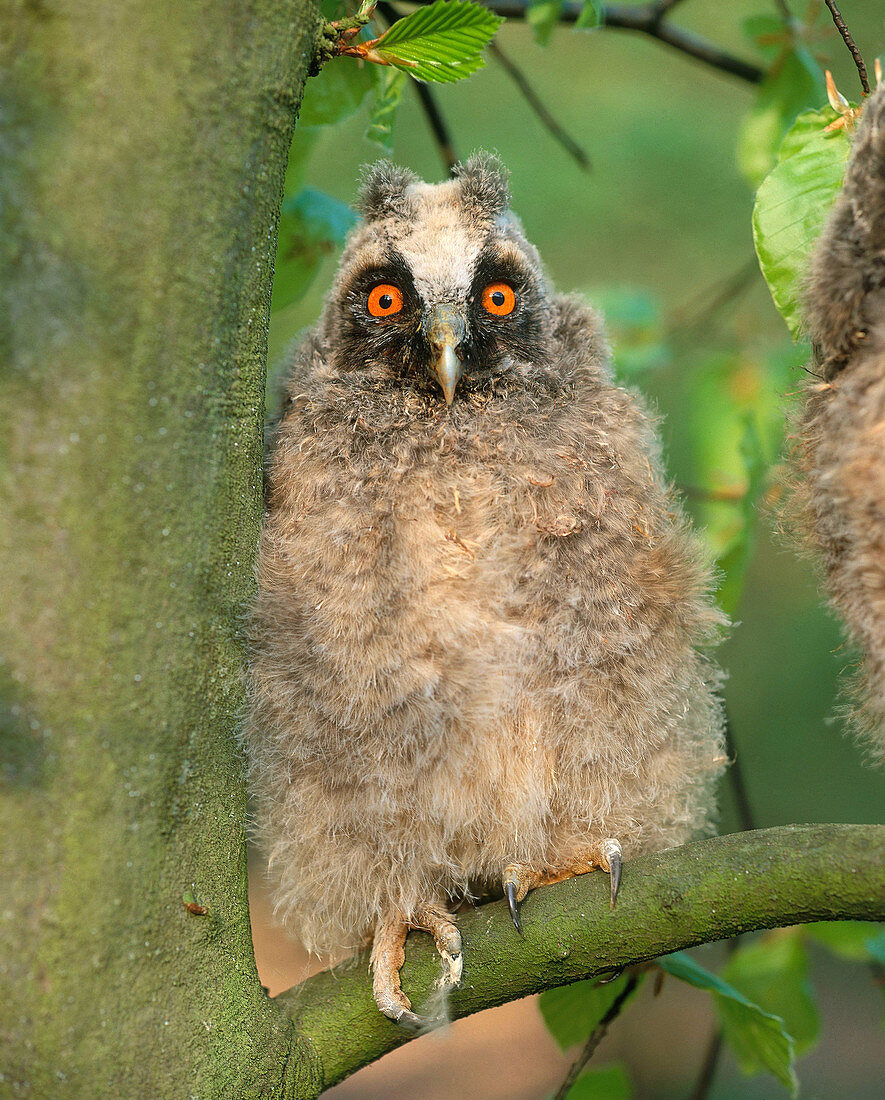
446,329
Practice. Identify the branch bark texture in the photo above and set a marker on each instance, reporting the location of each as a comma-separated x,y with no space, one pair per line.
700,893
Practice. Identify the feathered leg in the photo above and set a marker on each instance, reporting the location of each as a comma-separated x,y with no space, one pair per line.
388,955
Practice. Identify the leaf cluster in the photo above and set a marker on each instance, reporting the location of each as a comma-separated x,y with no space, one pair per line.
763,1001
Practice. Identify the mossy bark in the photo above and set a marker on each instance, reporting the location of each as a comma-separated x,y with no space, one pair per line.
142,157
699,893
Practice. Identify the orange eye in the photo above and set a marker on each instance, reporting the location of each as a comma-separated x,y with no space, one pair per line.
499,298
385,300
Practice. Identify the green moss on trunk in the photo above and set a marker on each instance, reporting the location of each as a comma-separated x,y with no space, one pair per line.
142,167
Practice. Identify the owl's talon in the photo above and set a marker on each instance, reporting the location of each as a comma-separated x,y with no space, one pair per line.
513,905
411,1021
611,850
388,956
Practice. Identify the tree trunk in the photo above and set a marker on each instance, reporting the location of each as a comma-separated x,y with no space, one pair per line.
142,160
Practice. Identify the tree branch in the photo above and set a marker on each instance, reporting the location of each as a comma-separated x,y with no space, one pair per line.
439,128
557,132
700,893
647,19
851,44
596,1036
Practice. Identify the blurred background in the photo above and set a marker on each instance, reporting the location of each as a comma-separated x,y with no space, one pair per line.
658,233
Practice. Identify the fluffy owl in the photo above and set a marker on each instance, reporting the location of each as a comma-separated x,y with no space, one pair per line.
479,640
840,457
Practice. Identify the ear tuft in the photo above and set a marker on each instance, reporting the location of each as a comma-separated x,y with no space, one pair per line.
484,183
383,191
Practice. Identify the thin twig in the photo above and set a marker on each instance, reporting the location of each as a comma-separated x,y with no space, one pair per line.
435,120
783,8
596,1037
705,1079
851,44
664,7
531,97
736,778
745,813
438,126
713,300
732,494
646,19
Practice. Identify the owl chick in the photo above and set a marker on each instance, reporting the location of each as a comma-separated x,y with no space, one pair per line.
480,627
842,472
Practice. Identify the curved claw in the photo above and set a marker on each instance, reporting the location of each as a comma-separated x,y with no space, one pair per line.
412,1022
613,977
612,852
513,905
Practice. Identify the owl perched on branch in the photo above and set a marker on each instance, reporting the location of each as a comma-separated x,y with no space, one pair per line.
841,485
479,638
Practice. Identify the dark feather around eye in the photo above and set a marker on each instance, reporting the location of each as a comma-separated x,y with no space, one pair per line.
394,271
492,269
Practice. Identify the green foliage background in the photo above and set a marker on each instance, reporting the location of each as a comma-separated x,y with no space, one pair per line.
657,233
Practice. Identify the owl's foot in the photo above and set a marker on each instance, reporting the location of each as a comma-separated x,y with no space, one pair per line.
519,878
388,955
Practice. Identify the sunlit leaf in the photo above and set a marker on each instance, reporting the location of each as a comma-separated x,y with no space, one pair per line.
848,939
336,92
733,562
441,42
794,84
542,16
767,33
633,320
608,1083
772,972
571,1012
303,143
590,17
311,225
792,204
876,947
387,100
758,1039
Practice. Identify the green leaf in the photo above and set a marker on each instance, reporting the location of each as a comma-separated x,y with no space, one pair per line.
441,42
387,98
336,92
571,1012
303,142
772,972
794,84
542,16
311,225
767,33
876,947
590,17
792,204
609,1083
733,561
848,939
633,319
758,1039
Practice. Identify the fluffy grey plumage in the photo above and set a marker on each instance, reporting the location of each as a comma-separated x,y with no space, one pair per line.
842,423
480,629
